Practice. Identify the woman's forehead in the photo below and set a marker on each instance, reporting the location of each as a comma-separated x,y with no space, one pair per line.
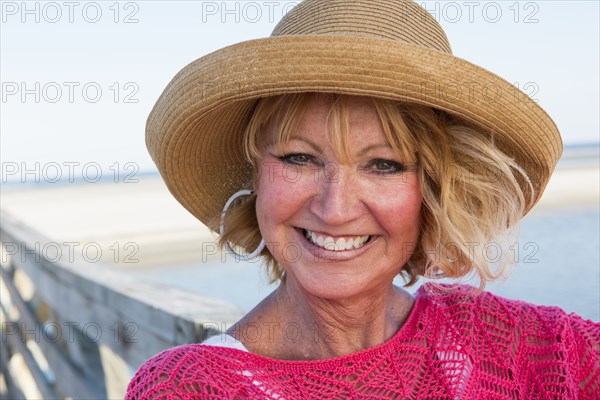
343,123
324,115
351,119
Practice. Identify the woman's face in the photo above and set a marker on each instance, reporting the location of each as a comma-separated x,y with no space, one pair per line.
339,228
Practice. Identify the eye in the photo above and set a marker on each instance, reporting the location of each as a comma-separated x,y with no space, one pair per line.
385,167
296,159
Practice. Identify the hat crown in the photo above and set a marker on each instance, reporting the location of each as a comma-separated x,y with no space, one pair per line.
399,20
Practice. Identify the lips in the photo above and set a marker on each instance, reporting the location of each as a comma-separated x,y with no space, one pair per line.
338,243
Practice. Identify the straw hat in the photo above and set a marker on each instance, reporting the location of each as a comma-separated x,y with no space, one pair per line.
391,49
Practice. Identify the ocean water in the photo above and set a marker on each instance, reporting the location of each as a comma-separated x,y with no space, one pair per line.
557,254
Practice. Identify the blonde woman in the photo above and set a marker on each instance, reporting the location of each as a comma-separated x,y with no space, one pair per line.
344,159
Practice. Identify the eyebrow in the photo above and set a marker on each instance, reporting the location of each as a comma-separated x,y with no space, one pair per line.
373,147
362,152
309,142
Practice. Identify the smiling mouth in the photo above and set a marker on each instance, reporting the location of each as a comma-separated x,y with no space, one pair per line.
330,243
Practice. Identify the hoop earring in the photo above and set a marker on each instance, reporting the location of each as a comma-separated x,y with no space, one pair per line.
261,245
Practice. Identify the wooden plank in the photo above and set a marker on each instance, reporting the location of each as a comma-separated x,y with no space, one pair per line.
14,392
18,346
123,306
100,323
69,380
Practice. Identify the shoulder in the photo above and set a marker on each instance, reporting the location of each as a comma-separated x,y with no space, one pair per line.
174,372
483,311
460,301
525,338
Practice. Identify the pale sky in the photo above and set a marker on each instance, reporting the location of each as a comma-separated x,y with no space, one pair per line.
550,46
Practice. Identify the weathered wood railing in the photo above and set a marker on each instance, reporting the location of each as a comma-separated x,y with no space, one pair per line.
76,329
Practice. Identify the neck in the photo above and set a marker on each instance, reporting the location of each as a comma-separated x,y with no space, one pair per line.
337,327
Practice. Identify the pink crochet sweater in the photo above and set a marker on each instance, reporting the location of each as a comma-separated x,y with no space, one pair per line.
455,344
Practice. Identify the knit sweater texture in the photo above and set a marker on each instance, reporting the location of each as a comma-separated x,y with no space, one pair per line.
457,343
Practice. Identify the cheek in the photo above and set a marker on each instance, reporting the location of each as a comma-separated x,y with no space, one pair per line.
400,207
281,192
273,175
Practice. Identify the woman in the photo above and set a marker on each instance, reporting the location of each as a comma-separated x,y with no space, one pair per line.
350,147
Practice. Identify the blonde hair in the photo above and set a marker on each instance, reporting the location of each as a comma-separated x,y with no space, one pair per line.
471,190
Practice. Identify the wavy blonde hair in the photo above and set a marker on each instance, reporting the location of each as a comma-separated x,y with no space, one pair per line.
472,191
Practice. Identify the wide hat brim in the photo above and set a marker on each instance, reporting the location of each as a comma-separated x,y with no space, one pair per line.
194,132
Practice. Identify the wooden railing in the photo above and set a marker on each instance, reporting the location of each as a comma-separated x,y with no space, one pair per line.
77,329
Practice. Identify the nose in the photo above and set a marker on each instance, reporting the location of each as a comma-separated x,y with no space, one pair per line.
338,198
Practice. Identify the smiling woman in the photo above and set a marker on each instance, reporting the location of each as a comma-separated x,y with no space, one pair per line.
343,165
340,208
452,163
321,151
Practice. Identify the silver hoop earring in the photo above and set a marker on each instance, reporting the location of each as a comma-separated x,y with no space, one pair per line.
261,245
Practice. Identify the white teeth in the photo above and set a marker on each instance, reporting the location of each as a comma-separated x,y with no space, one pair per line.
343,243
328,243
359,242
320,241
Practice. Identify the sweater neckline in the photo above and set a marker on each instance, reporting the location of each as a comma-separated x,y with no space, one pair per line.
405,331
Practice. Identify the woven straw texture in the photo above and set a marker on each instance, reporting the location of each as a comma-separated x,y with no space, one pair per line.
391,49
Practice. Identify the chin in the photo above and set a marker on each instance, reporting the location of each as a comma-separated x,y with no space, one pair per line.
333,285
